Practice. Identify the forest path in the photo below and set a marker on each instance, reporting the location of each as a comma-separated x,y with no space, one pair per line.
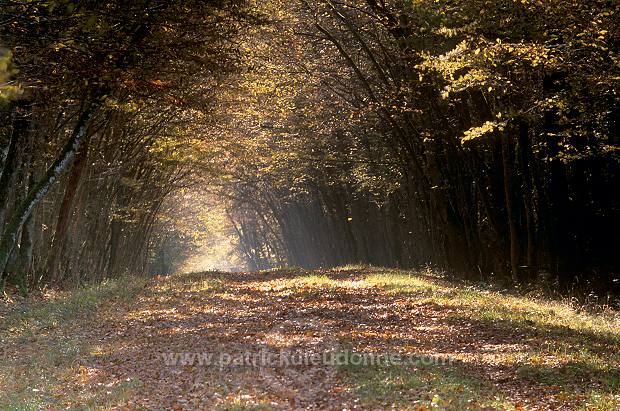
285,340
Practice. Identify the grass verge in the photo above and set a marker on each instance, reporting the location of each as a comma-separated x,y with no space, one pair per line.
564,348
42,342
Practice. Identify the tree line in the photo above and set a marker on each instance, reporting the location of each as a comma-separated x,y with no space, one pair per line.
96,96
478,136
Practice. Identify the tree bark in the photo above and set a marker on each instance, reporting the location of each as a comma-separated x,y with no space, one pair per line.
512,221
36,194
20,126
528,200
62,223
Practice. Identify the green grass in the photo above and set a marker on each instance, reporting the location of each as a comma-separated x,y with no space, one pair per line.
400,282
409,387
356,267
560,343
567,345
39,316
493,306
40,343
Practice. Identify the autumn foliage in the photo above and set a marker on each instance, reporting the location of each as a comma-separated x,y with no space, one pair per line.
476,136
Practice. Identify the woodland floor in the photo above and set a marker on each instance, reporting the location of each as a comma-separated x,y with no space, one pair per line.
113,346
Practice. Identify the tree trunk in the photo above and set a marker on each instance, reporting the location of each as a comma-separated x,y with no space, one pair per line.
20,126
36,194
25,257
58,239
512,221
528,200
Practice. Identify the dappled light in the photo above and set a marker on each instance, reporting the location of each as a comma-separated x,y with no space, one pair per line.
309,205
151,351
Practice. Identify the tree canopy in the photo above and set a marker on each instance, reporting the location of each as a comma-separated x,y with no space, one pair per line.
478,136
